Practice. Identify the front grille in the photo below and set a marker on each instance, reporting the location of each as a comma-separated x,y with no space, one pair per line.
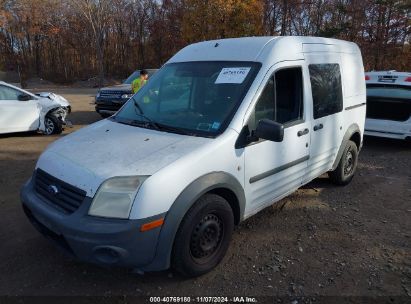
67,198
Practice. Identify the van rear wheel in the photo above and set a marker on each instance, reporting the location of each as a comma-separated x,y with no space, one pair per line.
347,166
203,236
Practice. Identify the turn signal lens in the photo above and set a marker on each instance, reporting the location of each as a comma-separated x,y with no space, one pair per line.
152,225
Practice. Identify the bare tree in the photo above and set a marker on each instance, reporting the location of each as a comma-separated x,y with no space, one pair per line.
69,40
97,14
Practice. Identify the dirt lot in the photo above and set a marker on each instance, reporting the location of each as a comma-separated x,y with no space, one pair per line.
322,240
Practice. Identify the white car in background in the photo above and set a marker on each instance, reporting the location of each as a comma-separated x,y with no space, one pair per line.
388,104
22,111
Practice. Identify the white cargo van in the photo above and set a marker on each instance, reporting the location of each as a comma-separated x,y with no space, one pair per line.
223,130
388,104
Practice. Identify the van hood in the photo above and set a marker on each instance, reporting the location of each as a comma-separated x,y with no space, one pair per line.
106,149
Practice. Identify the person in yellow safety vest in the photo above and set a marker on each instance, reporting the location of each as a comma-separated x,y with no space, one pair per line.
139,82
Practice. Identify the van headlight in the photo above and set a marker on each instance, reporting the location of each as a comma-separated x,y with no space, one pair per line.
115,197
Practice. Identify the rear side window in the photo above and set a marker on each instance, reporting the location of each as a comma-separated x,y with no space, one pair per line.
326,89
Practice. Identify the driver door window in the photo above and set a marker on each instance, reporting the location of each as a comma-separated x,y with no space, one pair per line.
281,99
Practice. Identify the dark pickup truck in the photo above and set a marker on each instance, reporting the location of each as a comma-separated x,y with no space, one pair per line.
110,99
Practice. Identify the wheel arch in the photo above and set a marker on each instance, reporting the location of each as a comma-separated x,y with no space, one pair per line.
356,138
43,115
220,183
353,133
232,199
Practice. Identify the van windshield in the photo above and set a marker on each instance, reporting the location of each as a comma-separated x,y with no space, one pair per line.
196,98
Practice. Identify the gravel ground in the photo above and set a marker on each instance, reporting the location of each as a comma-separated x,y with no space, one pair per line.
320,241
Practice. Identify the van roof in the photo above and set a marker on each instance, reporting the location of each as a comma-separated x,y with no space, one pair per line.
388,77
260,48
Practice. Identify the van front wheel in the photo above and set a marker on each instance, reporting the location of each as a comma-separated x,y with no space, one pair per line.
203,236
345,171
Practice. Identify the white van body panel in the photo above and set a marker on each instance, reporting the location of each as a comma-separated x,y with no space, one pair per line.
93,154
234,49
260,193
217,155
325,143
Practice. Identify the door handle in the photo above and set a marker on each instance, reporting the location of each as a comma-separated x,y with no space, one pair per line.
318,127
302,132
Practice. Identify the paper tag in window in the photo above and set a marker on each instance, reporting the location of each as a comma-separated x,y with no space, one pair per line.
215,125
232,75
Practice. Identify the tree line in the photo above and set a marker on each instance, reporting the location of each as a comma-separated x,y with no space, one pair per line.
67,40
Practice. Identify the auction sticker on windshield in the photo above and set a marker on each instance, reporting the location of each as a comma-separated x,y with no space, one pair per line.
232,75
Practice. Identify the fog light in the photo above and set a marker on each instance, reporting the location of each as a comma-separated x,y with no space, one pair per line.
109,254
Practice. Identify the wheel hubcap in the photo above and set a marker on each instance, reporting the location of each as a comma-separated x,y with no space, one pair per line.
206,237
49,126
349,163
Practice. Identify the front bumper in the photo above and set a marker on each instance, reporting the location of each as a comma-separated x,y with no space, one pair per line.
388,128
108,107
385,134
91,239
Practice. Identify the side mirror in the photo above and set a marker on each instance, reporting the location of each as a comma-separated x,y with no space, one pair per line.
24,97
270,130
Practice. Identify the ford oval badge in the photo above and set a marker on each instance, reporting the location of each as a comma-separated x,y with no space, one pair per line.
52,189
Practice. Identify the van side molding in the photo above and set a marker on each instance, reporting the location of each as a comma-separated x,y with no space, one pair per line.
182,204
355,106
354,128
278,169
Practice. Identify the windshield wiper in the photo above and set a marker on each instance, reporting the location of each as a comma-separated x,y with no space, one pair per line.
159,126
150,122
174,129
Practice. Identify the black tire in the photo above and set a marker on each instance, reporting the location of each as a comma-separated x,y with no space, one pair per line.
203,236
52,125
347,166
